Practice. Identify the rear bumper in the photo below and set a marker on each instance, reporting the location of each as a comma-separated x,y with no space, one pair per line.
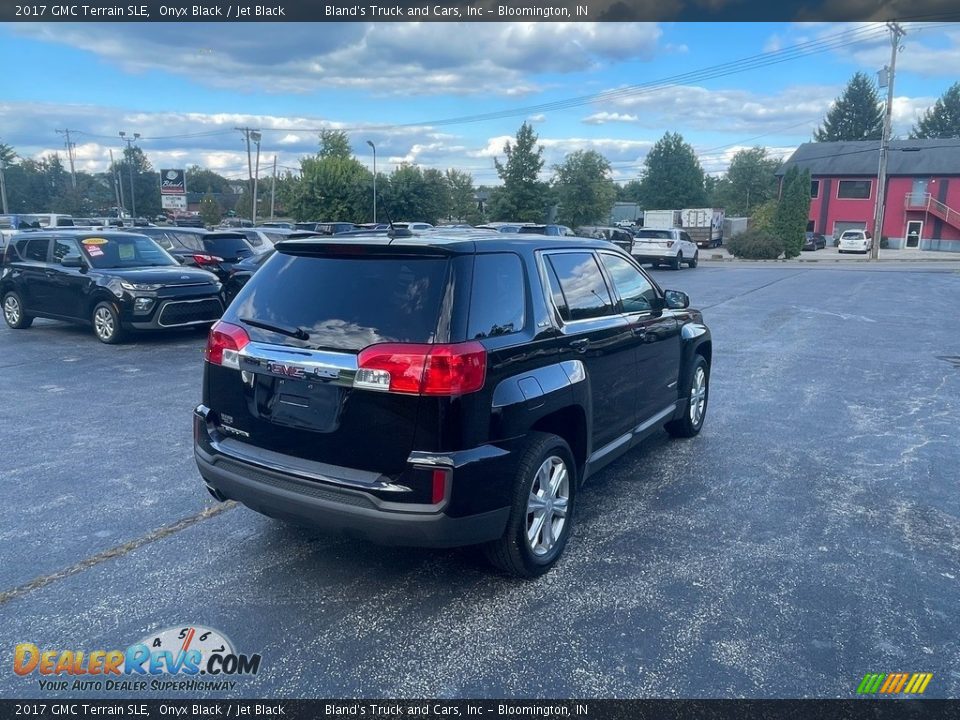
273,490
649,257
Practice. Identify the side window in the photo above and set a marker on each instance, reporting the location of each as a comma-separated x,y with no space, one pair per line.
635,291
685,237
581,283
497,297
34,249
63,247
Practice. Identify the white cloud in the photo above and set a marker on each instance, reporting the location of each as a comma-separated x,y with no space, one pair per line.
601,118
396,58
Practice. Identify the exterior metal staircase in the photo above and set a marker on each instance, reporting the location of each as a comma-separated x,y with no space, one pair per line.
927,203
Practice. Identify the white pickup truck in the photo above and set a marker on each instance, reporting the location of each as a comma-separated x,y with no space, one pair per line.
673,247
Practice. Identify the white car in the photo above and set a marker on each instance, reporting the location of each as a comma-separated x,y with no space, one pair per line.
672,247
855,241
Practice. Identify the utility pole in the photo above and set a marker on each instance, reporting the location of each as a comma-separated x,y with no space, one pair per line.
3,187
247,132
273,188
117,185
256,175
374,148
133,192
896,32
70,146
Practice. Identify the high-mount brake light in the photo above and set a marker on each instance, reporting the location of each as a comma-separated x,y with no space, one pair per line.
224,345
422,369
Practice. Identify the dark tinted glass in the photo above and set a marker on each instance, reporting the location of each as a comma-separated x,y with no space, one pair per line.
34,249
654,234
123,252
345,303
582,284
636,292
226,247
497,296
63,247
854,189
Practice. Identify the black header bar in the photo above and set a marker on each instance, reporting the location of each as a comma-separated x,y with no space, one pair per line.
477,11
476,709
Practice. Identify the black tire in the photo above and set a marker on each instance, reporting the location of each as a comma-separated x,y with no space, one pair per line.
676,261
512,553
106,323
694,260
13,312
688,425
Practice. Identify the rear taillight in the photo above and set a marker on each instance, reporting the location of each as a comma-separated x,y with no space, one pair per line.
422,369
204,259
224,343
669,243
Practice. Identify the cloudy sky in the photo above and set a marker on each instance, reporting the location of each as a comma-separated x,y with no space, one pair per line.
443,94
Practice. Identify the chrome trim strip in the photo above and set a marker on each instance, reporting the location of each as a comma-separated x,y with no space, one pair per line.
302,363
610,447
655,419
309,469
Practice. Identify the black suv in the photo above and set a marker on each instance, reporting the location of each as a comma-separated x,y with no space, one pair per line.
113,281
443,391
217,252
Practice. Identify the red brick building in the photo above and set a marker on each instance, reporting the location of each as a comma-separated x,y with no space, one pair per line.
922,203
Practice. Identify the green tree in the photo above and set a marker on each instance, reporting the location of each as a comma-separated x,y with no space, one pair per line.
629,191
331,187
7,154
146,182
584,189
856,115
763,216
334,143
463,200
750,181
413,194
206,181
790,220
943,119
672,176
522,196
210,210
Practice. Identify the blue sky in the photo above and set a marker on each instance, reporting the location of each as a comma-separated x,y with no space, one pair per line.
184,87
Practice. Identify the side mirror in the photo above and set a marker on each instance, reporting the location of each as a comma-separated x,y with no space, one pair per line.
73,261
676,300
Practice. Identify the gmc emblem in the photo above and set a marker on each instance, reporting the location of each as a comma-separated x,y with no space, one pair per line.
286,370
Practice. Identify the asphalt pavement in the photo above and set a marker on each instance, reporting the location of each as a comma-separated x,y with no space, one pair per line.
808,536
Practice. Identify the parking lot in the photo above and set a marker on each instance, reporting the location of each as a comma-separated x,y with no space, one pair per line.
809,535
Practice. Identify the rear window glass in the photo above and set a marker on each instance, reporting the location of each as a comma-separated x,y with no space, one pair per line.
345,303
227,247
497,296
533,230
655,234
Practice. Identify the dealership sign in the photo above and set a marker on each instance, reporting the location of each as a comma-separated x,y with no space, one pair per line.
173,202
173,182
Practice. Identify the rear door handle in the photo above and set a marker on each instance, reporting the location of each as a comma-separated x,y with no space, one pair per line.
580,345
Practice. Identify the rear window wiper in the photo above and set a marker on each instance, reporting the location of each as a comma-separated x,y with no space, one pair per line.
298,333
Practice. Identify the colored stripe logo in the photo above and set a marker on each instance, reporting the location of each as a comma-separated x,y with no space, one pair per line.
894,683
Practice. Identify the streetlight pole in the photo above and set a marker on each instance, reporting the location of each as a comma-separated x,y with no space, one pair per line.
3,188
273,188
255,136
370,143
896,32
133,192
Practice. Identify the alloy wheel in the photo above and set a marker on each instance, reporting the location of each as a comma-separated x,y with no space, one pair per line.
103,323
11,310
547,505
698,396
